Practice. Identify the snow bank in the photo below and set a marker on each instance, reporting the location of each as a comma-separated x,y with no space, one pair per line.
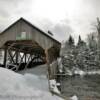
81,72
15,86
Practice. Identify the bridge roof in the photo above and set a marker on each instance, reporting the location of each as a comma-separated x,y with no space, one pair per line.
30,24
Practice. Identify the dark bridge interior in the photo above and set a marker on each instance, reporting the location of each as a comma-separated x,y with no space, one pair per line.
21,54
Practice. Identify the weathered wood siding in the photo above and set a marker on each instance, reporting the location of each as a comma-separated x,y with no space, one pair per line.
39,37
10,34
21,26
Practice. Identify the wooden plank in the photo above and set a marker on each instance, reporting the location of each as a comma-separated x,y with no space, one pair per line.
17,53
29,58
25,57
10,55
20,62
5,57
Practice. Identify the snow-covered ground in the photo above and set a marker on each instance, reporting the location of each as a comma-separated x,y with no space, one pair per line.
81,72
31,84
38,70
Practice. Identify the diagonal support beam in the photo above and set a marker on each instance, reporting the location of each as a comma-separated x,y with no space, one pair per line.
11,57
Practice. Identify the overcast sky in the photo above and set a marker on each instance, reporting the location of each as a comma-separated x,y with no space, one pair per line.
62,17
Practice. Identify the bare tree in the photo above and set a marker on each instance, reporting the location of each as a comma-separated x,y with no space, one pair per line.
92,41
98,26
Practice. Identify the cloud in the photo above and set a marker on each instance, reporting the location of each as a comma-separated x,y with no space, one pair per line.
62,30
94,3
11,10
7,7
62,17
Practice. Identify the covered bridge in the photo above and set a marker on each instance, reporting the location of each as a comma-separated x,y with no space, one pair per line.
24,42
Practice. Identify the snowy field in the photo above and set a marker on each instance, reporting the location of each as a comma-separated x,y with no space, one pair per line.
31,84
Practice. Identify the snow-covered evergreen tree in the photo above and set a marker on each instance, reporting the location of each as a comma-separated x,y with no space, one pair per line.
81,56
81,43
71,41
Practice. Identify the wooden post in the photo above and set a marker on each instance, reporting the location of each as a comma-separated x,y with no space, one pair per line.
48,63
47,56
5,57
11,57
16,57
25,58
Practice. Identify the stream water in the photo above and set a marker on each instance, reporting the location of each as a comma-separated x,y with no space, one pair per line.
85,87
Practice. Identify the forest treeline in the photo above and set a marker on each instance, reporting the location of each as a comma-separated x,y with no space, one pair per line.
83,55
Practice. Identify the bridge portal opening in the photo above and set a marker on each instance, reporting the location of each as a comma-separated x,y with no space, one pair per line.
21,54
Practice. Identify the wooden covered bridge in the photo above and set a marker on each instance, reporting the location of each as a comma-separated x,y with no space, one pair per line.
25,45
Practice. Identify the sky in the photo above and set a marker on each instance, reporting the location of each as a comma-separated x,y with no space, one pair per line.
61,17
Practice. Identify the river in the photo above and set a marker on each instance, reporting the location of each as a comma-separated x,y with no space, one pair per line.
85,87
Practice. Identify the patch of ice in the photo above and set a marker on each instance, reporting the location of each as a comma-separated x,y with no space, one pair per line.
82,73
70,73
65,56
93,72
79,72
74,97
60,66
53,86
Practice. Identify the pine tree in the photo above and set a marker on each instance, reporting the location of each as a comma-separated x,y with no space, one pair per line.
80,42
80,38
71,41
81,56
